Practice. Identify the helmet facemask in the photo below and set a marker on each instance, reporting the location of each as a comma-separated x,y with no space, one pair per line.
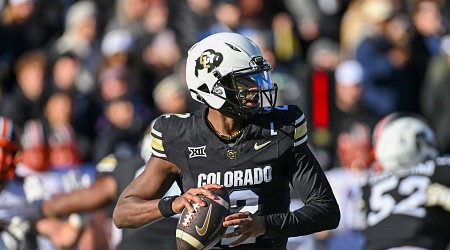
249,91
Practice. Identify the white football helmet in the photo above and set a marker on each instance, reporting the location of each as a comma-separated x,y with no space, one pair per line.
226,70
403,140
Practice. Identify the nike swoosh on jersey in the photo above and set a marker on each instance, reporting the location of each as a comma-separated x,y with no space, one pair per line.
258,147
201,231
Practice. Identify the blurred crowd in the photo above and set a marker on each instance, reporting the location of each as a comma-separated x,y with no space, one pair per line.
83,80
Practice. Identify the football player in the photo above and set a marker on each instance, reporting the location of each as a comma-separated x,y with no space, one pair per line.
407,204
241,142
113,174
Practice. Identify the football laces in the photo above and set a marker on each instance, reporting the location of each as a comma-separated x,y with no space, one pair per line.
190,216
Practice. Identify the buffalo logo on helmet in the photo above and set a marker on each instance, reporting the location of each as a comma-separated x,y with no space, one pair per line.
208,60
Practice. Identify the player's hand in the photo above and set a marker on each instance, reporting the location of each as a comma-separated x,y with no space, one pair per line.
247,225
192,196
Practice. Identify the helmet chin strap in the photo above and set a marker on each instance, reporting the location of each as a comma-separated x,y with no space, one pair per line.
228,107
237,112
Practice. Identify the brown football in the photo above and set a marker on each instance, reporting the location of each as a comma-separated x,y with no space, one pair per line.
203,228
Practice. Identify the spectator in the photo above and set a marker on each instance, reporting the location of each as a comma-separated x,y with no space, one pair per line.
115,83
64,77
116,47
228,18
384,62
80,38
128,15
321,61
20,32
187,18
159,58
28,97
348,106
286,44
170,96
64,151
122,131
435,97
429,27
315,20
354,27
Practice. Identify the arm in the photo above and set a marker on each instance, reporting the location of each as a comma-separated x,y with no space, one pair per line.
87,199
320,212
138,204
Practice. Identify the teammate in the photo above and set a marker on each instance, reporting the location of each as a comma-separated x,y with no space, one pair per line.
240,142
407,203
113,174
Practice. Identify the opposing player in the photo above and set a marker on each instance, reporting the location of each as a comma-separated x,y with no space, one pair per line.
407,204
240,142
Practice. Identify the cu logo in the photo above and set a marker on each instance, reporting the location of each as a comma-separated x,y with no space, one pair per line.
209,59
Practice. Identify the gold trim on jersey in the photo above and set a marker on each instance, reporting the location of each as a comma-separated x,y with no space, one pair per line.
157,144
301,130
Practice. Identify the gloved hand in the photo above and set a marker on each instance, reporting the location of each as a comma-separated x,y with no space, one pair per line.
14,235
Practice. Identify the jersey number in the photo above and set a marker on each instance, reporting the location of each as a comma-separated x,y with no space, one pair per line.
383,204
242,201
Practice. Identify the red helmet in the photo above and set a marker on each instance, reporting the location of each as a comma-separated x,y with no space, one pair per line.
9,148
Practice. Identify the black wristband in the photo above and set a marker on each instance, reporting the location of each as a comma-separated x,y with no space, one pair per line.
165,206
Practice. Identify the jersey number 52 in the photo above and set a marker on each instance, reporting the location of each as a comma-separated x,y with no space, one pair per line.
382,203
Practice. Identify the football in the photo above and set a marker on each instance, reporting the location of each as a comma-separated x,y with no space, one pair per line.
203,228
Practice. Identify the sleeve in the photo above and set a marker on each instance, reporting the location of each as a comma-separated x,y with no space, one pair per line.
157,139
320,212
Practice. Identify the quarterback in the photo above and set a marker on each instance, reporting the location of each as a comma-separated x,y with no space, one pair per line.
241,142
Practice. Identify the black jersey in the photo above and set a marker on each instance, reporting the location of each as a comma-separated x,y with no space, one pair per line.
407,207
154,236
123,170
256,170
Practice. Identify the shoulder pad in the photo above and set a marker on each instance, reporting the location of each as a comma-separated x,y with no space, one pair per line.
165,123
291,120
292,116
